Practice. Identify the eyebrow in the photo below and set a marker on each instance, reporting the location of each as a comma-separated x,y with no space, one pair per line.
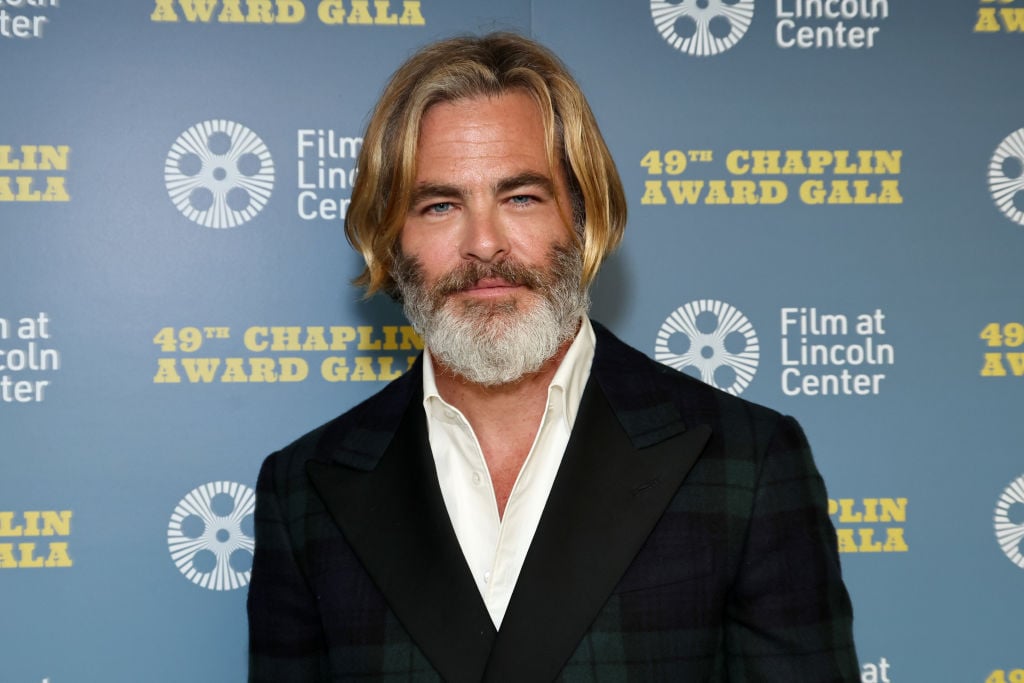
526,179
430,190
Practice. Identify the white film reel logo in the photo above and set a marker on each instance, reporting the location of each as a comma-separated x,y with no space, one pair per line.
210,535
219,174
1009,521
1006,176
713,339
702,27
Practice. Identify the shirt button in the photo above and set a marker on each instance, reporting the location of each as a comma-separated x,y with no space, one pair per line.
450,414
476,478
487,577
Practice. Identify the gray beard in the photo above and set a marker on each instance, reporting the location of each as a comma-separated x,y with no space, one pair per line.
494,343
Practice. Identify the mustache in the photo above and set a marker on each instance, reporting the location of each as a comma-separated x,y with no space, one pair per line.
468,274
564,262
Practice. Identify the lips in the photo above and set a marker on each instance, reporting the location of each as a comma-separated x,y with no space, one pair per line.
493,283
477,278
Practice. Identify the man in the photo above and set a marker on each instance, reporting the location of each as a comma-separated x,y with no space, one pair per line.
534,500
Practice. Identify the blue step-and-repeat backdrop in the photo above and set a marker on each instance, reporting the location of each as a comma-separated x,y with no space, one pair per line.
826,216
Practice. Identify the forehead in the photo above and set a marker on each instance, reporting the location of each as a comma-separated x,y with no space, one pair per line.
503,130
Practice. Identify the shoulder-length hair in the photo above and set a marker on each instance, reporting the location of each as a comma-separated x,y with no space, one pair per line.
467,67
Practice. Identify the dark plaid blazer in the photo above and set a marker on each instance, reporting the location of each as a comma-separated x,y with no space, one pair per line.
686,538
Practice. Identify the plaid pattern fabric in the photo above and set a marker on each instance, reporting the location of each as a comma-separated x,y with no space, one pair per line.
731,576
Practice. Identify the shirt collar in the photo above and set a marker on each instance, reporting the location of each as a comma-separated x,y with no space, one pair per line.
566,386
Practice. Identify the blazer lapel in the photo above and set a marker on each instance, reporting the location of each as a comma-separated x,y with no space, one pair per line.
607,497
391,512
626,458
628,455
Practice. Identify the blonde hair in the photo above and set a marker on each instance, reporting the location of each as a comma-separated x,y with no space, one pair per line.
467,67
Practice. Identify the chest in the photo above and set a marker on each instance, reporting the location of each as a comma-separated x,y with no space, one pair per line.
505,459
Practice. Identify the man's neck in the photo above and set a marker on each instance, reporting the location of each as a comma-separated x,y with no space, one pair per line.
505,418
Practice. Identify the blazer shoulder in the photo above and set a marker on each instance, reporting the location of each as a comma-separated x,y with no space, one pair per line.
359,436
634,382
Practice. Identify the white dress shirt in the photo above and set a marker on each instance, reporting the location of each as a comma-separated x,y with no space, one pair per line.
494,546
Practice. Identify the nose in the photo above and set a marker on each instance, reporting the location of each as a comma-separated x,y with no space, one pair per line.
484,237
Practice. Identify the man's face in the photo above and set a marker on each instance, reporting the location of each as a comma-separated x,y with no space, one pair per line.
487,267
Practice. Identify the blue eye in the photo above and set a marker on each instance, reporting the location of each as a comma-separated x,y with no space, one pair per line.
521,199
440,207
